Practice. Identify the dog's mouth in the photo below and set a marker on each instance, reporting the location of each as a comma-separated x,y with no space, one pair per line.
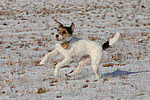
60,39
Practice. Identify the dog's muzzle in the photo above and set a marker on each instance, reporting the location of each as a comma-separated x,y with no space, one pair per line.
58,37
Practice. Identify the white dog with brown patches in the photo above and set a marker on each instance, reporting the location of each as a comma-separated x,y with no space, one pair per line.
70,47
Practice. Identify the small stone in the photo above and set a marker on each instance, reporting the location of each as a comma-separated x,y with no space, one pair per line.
85,86
5,24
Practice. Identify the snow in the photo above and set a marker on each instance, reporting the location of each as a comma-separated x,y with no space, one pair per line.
26,28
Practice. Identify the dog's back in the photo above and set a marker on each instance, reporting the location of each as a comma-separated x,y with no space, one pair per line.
79,47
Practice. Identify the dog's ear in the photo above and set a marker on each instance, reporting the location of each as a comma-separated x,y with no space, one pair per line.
59,24
72,26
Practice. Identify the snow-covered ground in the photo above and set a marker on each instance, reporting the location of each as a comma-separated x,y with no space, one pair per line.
26,28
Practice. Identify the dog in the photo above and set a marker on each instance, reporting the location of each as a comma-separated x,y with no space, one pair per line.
88,52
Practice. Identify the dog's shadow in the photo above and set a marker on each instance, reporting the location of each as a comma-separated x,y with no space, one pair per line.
113,74
119,72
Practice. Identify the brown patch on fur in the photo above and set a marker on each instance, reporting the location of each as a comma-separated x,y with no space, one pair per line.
65,45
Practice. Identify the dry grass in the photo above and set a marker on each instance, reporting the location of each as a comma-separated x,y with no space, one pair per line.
42,90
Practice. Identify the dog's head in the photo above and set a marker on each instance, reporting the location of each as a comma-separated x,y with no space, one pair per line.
64,33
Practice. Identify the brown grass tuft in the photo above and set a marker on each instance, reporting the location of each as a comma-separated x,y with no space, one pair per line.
41,90
108,65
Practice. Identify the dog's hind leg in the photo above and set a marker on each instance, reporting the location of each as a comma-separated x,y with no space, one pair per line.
82,62
95,62
95,68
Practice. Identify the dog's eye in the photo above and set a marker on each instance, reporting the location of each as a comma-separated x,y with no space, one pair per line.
64,32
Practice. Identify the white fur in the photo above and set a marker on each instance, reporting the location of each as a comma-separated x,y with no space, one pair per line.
87,51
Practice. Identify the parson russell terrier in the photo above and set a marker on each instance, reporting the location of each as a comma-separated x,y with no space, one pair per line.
70,47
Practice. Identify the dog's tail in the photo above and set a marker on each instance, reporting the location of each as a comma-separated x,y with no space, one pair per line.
111,41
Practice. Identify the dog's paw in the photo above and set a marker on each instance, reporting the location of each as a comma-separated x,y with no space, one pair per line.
67,75
97,78
41,63
55,74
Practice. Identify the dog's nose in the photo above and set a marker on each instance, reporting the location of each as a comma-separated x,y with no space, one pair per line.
57,35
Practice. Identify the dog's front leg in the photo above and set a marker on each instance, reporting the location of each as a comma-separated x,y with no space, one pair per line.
54,52
61,64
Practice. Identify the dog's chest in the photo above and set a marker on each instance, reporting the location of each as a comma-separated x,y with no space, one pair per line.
73,50
61,49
